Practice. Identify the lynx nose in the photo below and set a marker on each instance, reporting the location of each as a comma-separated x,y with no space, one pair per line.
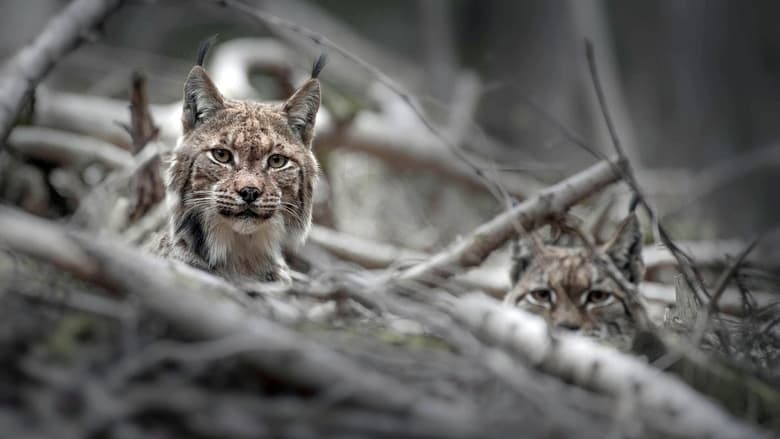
249,193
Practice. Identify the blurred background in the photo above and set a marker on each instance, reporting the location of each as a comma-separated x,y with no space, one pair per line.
693,87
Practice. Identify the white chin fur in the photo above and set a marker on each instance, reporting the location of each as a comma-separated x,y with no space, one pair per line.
245,226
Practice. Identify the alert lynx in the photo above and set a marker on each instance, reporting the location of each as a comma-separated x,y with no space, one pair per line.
567,287
240,183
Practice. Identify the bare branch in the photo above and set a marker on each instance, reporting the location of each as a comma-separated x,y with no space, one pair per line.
578,359
210,308
372,254
727,274
473,249
495,282
731,301
689,272
61,35
66,149
148,188
142,127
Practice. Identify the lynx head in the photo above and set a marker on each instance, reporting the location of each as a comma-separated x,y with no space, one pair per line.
571,290
242,175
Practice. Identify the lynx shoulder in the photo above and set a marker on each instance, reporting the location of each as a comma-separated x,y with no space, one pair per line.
240,182
567,286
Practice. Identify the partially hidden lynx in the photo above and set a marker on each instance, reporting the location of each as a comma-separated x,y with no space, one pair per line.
568,288
240,183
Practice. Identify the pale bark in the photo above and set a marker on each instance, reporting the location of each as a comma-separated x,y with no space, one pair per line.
372,254
654,396
63,33
474,248
66,149
210,308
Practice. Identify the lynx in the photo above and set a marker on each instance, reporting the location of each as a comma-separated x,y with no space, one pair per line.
240,183
567,287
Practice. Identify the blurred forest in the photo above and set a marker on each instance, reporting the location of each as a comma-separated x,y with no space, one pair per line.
693,84
443,125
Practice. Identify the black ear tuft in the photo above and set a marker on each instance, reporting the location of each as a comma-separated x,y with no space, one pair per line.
319,64
204,47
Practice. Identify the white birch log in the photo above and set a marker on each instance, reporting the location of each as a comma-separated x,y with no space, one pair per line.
209,308
658,397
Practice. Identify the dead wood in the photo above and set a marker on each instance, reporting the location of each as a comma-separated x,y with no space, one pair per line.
495,281
474,248
148,189
65,149
210,308
61,35
142,129
674,406
371,254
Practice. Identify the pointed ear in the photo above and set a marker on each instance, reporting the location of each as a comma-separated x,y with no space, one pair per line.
625,249
201,99
301,110
524,250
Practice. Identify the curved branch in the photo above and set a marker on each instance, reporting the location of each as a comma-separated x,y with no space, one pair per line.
61,35
473,249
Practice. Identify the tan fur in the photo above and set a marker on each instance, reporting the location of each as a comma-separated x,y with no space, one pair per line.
216,223
581,295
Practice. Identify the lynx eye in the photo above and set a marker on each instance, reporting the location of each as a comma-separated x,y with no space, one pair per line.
542,297
222,155
598,297
277,161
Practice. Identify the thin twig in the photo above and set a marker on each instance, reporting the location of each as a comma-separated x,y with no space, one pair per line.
727,274
689,271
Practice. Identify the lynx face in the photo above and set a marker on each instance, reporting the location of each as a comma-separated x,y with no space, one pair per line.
241,179
567,287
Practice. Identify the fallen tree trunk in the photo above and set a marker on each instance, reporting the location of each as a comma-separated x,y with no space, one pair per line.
210,308
676,408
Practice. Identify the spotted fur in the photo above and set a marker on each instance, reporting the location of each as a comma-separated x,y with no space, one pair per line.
241,180
567,287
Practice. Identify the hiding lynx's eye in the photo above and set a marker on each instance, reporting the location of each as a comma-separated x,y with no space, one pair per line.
541,297
277,161
598,297
222,155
